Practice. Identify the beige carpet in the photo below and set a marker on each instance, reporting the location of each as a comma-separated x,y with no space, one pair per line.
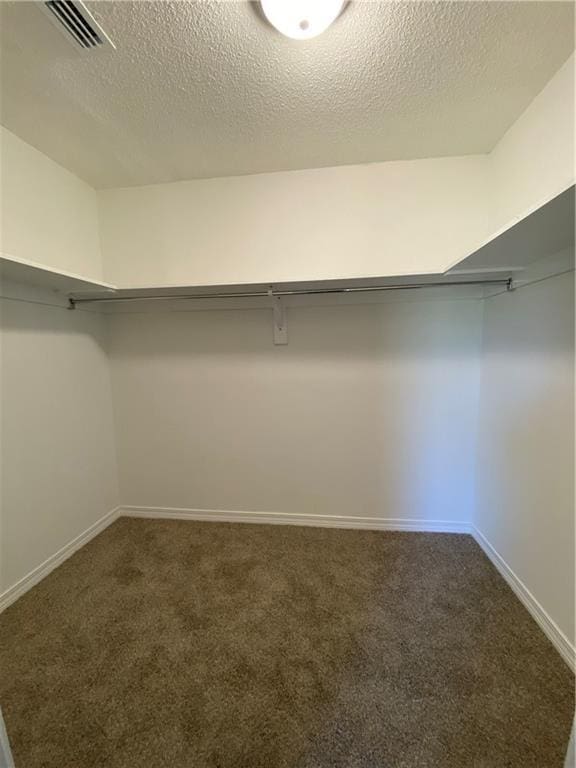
203,645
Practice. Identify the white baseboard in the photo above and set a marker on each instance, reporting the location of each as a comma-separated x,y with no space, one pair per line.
6,759
544,621
281,518
31,579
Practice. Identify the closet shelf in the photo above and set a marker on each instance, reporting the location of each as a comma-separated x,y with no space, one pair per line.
27,272
545,229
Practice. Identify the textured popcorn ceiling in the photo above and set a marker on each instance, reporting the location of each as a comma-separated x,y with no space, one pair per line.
209,89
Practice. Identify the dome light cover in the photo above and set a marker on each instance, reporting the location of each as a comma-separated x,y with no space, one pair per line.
301,19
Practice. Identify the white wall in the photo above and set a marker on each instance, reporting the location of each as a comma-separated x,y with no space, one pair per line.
534,160
48,215
354,221
370,411
405,217
58,455
57,443
526,440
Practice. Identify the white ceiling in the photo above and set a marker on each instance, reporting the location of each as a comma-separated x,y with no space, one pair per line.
201,89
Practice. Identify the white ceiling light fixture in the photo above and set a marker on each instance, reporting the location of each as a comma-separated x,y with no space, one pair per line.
302,19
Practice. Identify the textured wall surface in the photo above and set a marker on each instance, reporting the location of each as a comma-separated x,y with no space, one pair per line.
210,89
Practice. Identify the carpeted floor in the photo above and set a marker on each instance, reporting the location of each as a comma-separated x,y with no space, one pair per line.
167,644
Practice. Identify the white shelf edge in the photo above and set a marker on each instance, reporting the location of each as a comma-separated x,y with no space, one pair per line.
7,259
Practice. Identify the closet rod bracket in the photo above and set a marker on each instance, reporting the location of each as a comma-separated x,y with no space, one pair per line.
71,303
279,318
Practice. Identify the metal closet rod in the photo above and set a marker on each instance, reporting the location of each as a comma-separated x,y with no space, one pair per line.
288,292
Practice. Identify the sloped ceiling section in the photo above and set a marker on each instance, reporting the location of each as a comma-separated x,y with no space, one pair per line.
206,89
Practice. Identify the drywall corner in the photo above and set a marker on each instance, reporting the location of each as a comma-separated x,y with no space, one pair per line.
49,215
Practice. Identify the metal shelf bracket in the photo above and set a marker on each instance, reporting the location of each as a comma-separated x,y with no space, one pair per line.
279,318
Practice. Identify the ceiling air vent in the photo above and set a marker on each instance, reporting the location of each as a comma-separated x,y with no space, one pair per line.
75,21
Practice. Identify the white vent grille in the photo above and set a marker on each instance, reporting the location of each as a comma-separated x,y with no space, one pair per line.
76,22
